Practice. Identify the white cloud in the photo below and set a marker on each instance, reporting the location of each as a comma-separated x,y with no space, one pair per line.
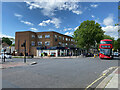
18,15
67,29
51,29
22,21
26,22
34,29
49,7
94,5
98,21
54,21
69,33
44,23
77,12
108,21
70,29
3,35
92,16
76,28
111,30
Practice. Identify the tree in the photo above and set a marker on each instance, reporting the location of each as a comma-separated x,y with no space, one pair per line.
108,37
13,44
115,45
118,41
88,34
6,40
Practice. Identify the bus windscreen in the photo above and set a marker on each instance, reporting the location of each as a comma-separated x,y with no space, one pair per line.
105,51
106,42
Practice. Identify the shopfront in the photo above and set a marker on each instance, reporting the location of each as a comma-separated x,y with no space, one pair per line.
56,51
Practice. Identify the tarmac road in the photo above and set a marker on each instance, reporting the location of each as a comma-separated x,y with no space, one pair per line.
56,73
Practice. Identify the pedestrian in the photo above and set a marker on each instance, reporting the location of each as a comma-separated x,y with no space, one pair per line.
41,54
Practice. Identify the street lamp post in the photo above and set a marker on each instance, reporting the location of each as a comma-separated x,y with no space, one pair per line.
25,53
69,52
4,55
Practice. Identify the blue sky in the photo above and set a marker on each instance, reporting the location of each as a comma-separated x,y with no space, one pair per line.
62,17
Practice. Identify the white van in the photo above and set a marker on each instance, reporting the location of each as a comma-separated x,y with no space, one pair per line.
7,56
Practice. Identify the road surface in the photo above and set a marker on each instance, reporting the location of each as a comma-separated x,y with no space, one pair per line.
56,73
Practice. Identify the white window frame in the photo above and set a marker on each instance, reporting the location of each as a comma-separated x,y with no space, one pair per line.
66,44
39,43
33,36
46,44
55,36
47,36
63,44
60,37
39,36
33,43
66,39
60,43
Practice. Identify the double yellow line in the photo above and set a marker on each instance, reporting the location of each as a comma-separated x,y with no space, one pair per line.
103,75
95,81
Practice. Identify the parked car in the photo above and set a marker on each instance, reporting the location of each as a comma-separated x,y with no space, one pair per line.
7,56
116,54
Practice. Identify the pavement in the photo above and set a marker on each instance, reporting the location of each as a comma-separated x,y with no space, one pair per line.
10,64
58,57
15,64
111,81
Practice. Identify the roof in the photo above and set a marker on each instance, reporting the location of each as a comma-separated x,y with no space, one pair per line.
44,32
106,40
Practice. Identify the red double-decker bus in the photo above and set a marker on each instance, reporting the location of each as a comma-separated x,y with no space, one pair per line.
106,49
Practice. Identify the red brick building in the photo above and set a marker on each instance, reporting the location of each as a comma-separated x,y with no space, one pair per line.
38,42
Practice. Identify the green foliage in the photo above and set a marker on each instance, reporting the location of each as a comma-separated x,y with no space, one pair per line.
6,40
116,24
118,41
118,7
115,45
88,34
13,44
109,37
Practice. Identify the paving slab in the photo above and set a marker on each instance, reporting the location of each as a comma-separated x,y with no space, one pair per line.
111,81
